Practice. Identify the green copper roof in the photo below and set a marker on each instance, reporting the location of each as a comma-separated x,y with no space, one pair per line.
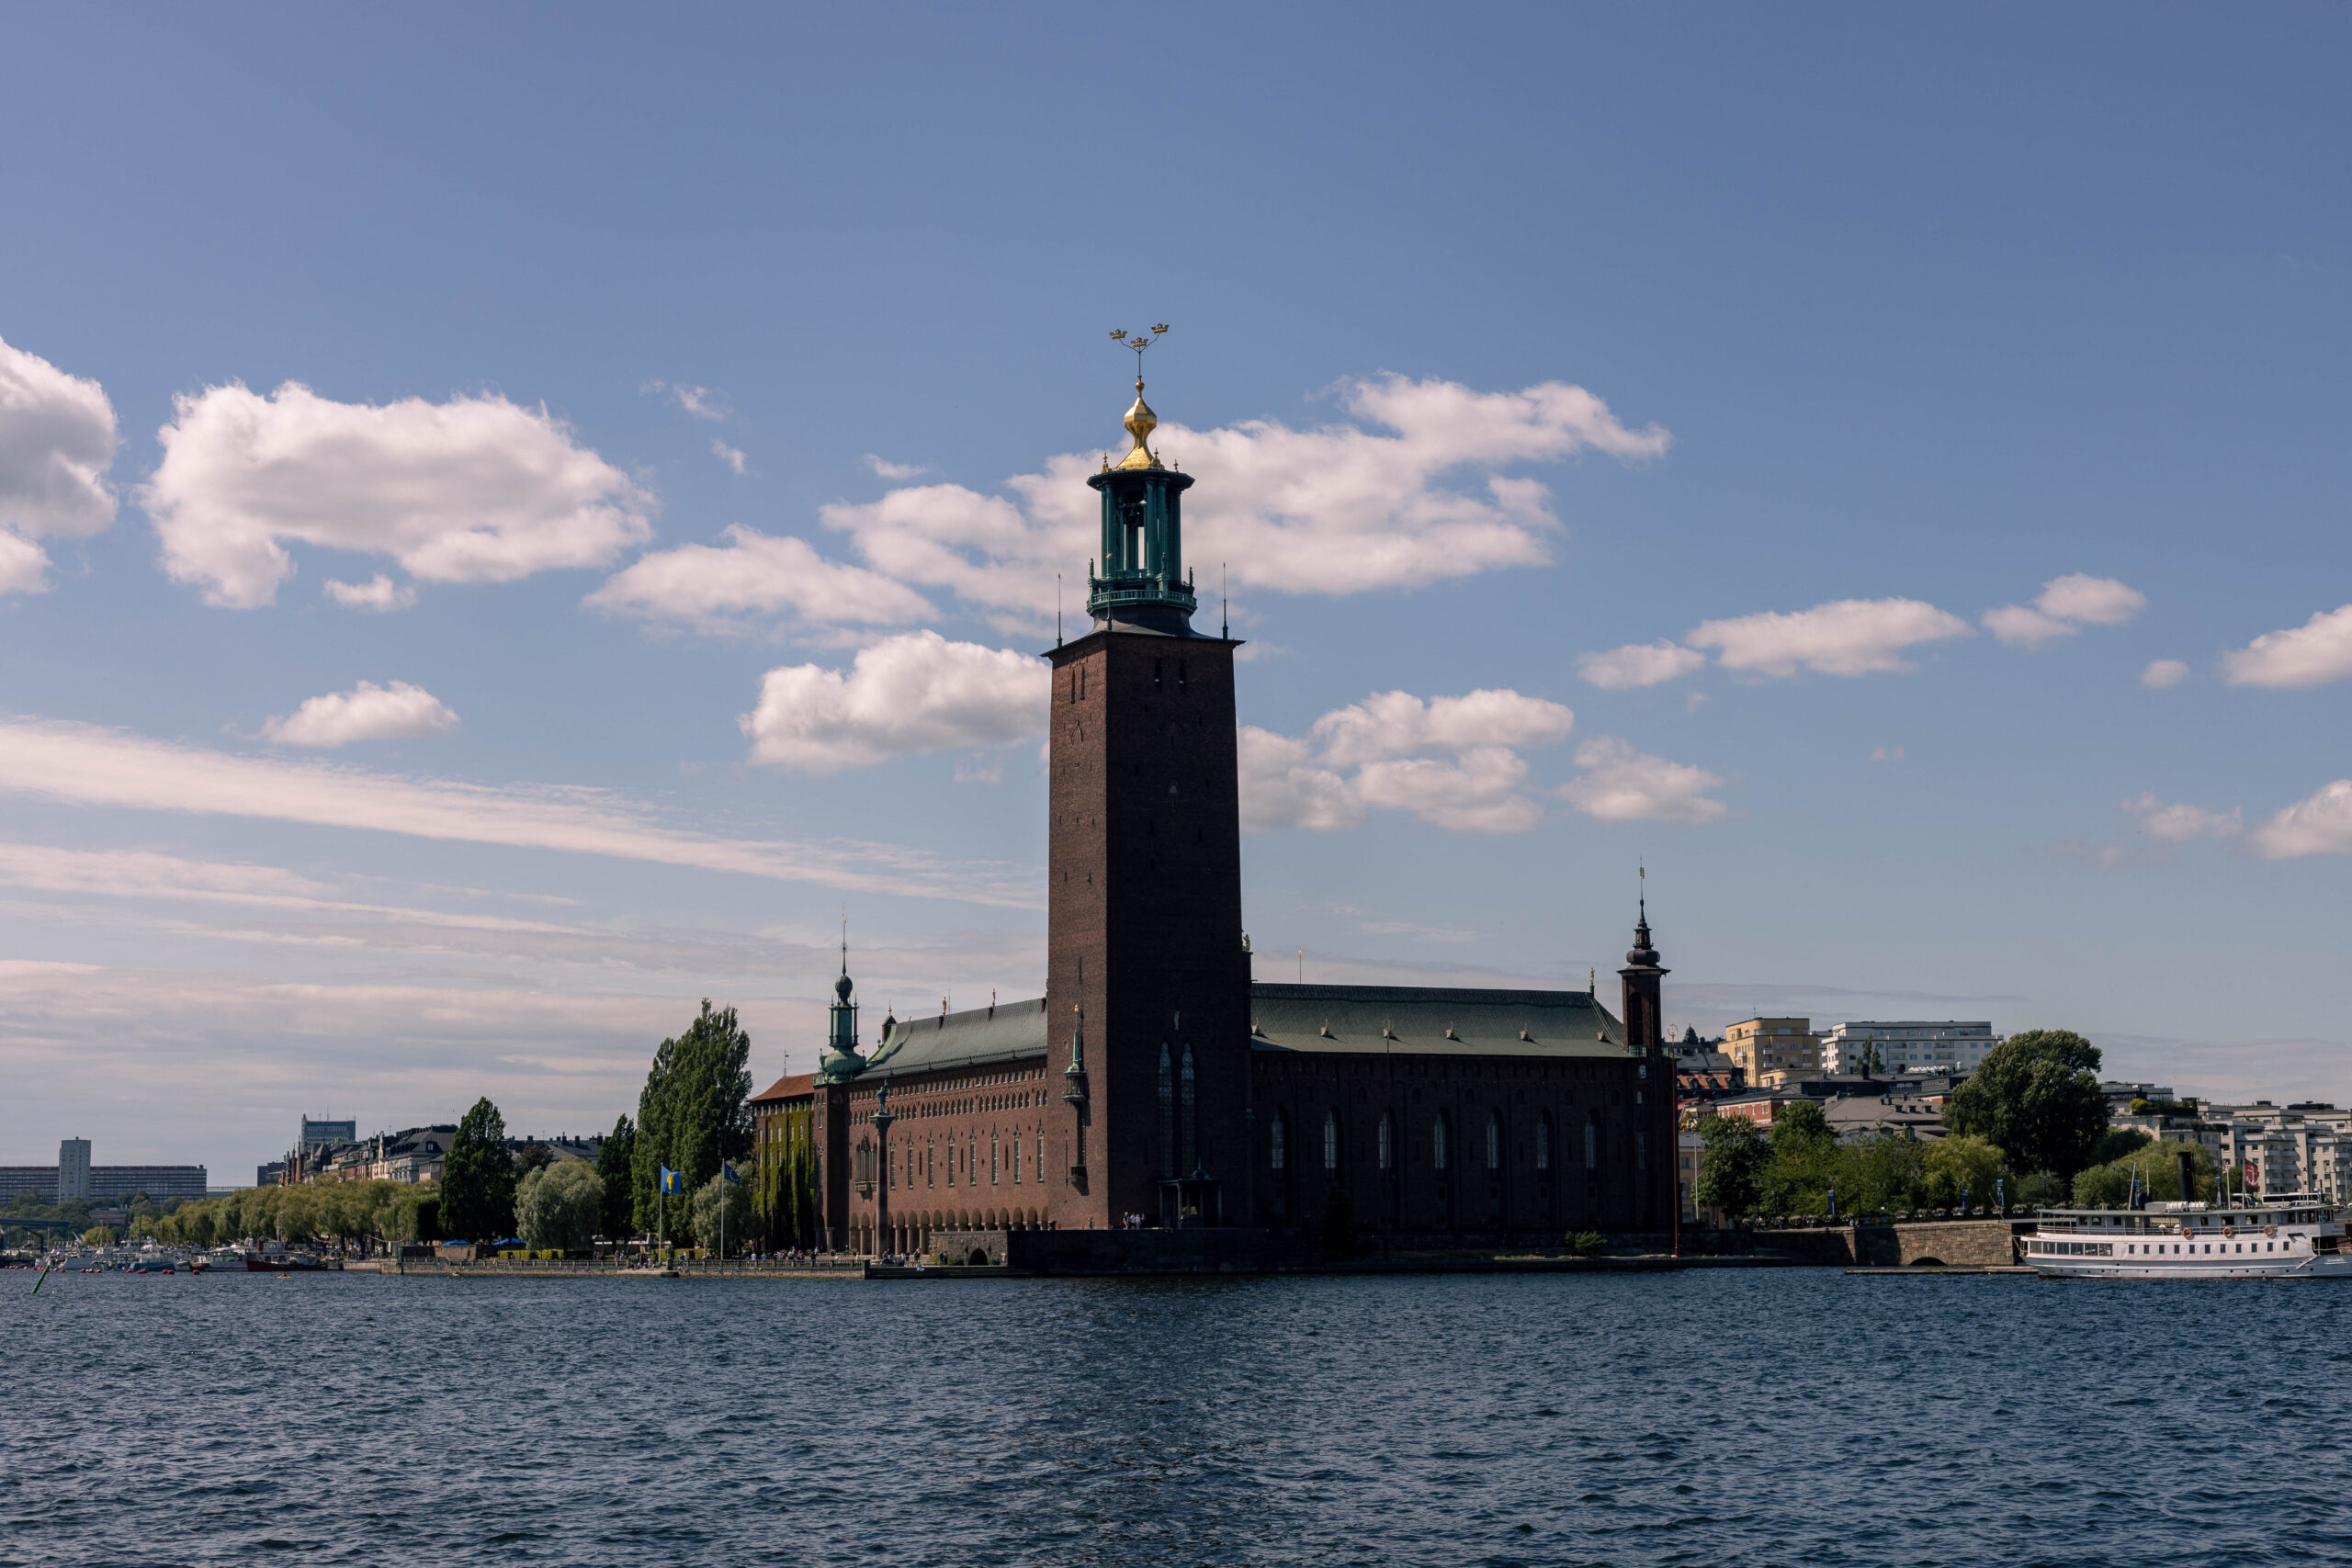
1414,1021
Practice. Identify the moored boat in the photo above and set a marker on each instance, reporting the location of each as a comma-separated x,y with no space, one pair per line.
2288,1236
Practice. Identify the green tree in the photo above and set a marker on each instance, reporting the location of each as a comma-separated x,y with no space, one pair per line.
1959,1164
2036,1095
2157,1166
1803,1162
1879,1171
478,1178
1731,1171
615,1164
693,1111
2115,1143
559,1205
708,1198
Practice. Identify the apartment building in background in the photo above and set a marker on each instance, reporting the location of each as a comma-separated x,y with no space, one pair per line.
1773,1051
1908,1045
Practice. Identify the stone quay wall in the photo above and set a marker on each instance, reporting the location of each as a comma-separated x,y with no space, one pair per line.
1958,1244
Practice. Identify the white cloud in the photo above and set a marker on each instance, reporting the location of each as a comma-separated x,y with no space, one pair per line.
1398,724
2093,601
2066,604
1885,754
24,566
2179,822
2314,654
475,490
378,594
1621,785
714,588
2017,626
1340,509
1474,785
2319,825
890,471
367,712
905,695
86,765
699,401
1283,787
1848,636
732,457
2163,674
1639,664
1475,792
57,440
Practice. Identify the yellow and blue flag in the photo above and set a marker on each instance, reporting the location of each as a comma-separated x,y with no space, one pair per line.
673,1181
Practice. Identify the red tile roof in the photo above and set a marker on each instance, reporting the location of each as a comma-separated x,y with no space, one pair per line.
792,1085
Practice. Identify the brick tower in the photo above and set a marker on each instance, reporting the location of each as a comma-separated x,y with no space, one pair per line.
1656,1119
1147,984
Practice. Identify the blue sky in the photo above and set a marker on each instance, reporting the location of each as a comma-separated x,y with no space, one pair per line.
516,519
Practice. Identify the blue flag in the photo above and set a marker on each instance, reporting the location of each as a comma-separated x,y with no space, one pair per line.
726,1173
671,1181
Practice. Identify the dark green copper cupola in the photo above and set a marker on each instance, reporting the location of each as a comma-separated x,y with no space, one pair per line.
1142,580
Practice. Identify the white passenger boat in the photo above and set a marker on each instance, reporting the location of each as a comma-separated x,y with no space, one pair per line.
2293,1235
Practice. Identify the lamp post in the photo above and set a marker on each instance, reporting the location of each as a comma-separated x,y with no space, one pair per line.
882,1118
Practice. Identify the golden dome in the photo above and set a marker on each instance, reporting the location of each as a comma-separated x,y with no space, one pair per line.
1140,422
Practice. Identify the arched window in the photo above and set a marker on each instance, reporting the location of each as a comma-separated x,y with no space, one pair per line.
993,1154
1592,1140
1041,1153
1494,1140
1388,1142
1437,1141
1282,1137
950,1159
1330,1140
1542,1140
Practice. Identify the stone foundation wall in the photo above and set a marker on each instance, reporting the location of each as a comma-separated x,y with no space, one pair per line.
1973,1244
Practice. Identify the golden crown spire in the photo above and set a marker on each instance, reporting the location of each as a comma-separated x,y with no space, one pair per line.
1140,421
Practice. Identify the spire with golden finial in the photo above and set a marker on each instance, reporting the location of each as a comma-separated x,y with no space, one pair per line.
1140,421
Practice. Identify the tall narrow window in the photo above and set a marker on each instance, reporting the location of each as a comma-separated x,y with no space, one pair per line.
1641,1151
1166,1115
1281,1137
993,1153
1388,1141
1437,1141
1592,1140
1331,1143
1542,1140
1041,1153
950,1159
1155,674
1189,1114
1494,1140
1181,684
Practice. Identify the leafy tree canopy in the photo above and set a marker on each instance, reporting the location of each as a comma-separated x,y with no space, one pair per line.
559,1205
693,1111
2036,1095
615,1166
478,1178
1730,1168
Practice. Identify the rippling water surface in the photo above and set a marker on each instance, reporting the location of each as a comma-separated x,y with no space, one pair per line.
1795,1415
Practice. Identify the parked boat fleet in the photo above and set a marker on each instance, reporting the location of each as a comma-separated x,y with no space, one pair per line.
150,1259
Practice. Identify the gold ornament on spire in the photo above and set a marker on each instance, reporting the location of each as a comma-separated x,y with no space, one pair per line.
1140,421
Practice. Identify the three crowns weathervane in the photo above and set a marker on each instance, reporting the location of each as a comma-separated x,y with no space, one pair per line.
1140,342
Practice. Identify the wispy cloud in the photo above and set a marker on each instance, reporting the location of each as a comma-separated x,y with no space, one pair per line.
731,456
889,470
1847,636
86,765
2065,607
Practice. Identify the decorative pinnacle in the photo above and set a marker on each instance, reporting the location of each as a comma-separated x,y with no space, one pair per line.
1140,421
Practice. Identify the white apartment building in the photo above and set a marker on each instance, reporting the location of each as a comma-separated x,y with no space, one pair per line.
1908,1045
2294,1148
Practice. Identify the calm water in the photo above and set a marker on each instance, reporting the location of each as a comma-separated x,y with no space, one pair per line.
1780,1417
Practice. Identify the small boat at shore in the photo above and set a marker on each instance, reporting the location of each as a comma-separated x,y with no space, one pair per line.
283,1263
2290,1236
